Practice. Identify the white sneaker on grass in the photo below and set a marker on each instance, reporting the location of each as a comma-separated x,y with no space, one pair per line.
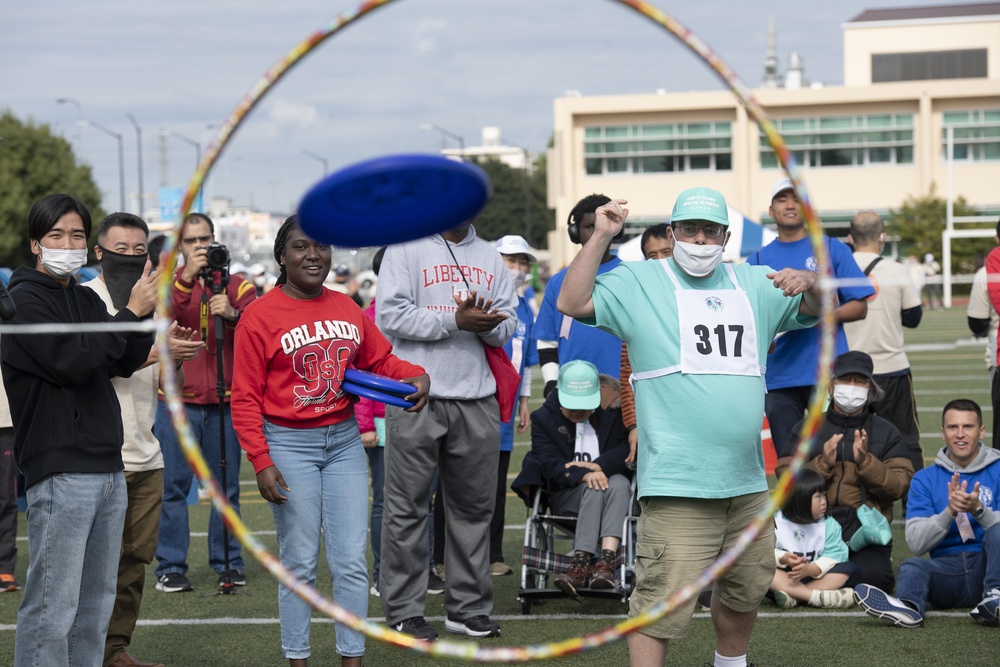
987,612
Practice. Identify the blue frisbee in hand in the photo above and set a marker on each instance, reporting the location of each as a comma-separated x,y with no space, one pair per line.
393,199
378,382
376,395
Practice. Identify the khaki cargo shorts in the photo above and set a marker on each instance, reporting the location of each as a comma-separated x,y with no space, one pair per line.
679,538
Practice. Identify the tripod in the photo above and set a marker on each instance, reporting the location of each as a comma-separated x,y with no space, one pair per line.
217,281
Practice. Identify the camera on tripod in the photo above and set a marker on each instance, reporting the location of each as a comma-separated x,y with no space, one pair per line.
218,265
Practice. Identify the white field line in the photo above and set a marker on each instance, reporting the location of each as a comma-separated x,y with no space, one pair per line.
610,618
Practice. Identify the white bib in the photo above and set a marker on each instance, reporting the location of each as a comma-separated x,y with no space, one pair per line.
718,333
587,448
802,539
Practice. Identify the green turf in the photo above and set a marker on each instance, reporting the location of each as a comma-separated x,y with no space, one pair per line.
781,638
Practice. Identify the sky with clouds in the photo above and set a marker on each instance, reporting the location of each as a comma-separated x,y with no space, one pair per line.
183,65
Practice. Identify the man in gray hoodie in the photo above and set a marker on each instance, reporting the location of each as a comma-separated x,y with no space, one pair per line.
954,514
441,300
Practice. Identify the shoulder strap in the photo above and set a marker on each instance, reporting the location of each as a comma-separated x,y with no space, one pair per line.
872,265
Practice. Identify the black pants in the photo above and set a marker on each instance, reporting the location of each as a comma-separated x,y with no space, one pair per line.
784,409
499,510
899,407
875,562
8,502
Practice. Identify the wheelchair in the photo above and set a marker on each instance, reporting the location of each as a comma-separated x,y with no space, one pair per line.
548,548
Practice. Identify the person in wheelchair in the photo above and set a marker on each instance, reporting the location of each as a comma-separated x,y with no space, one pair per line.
578,449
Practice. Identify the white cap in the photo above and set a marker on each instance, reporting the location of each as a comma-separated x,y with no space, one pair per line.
929,257
514,245
256,269
237,267
782,185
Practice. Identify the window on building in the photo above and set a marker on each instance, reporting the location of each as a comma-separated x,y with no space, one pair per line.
976,134
659,148
844,141
924,65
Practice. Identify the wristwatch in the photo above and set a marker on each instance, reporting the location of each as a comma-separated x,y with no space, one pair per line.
978,514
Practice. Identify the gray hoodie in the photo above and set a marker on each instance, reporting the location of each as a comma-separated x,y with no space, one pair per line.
416,310
929,526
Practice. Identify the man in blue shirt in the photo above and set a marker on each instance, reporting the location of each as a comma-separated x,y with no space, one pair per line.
792,364
560,338
953,515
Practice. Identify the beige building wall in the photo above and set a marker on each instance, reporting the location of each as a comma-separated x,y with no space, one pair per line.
861,40
747,186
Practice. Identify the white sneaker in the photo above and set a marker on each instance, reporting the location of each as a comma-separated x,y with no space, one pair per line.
842,598
987,612
784,600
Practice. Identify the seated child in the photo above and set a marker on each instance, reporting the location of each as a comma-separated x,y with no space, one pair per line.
810,553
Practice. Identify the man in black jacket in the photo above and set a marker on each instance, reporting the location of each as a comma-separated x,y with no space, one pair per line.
68,438
578,450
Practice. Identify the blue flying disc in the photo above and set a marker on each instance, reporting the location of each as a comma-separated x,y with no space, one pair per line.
393,199
378,382
376,395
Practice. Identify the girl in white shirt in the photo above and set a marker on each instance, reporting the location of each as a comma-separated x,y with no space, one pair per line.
810,554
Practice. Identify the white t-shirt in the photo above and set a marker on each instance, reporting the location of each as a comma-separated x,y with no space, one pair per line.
137,397
5,419
981,308
880,334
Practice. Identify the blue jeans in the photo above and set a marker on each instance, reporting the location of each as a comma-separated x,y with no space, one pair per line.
175,535
326,470
75,523
954,581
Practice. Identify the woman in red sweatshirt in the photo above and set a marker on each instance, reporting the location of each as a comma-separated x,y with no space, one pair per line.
299,431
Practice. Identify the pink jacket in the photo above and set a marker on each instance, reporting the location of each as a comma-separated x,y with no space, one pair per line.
366,410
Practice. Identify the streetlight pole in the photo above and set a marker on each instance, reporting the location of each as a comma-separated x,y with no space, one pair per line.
138,148
446,133
197,156
527,189
79,119
121,158
320,158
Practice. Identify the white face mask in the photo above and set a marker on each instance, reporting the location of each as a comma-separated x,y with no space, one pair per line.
518,276
697,260
62,264
850,398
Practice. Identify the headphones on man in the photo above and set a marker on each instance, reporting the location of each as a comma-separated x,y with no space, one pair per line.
573,229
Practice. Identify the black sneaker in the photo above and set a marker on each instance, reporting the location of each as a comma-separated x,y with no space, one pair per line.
173,582
416,627
235,577
477,626
435,584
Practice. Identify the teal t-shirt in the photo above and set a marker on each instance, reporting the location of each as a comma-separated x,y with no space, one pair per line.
699,435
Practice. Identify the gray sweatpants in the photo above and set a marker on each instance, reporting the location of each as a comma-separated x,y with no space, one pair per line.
461,438
599,513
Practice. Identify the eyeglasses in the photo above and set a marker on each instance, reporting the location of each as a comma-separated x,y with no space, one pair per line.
692,229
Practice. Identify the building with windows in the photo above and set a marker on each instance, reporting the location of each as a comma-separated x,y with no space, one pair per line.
911,75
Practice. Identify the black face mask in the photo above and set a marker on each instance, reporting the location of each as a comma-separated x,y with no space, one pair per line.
121,273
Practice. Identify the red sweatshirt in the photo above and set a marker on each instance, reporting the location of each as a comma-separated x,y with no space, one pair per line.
993,281
291,355
201,373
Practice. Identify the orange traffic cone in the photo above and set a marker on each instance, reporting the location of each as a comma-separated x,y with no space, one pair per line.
770,456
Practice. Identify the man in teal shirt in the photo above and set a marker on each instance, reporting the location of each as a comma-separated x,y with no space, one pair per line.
697,334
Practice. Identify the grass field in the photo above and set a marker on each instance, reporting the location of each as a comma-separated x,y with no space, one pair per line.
188,630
